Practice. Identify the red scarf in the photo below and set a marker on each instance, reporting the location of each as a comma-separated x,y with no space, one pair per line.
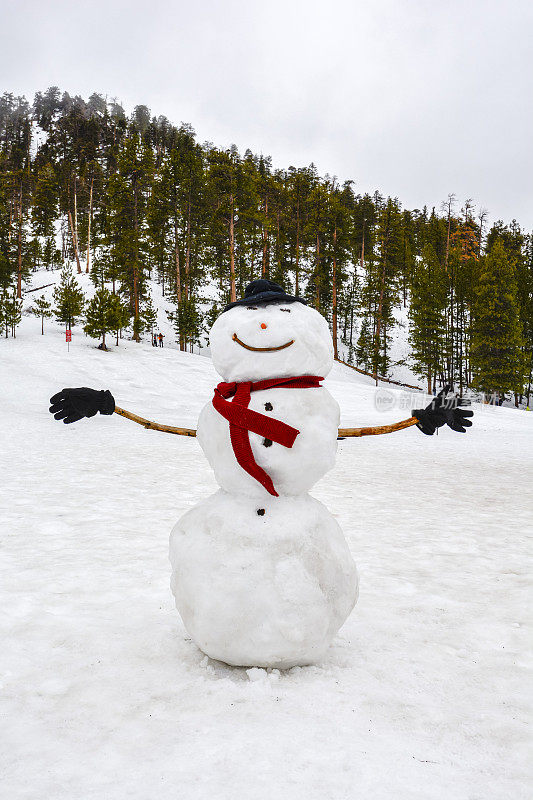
242,420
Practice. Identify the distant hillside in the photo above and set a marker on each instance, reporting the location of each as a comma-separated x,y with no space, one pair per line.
130,199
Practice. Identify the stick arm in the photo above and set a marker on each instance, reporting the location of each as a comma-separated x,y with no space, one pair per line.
155,426
397,426
343,432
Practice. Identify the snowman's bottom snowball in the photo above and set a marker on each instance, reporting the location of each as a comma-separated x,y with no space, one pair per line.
268,590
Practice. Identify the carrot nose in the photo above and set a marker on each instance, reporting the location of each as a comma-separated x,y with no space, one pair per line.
264,325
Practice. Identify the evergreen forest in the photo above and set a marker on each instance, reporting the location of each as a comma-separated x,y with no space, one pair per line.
132,197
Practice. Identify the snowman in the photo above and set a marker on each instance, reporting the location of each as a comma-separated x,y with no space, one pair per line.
261,573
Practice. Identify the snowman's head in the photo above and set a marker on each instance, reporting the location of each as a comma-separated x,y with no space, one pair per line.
269,334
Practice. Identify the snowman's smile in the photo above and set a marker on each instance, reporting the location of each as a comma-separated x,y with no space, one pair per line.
261,349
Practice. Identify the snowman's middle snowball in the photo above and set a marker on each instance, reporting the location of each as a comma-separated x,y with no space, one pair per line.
313,412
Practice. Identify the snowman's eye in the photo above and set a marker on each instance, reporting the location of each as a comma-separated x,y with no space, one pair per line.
286,309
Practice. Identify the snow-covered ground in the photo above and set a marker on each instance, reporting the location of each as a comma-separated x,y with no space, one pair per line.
104,696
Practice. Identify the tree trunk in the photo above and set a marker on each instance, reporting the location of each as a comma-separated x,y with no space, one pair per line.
404,277
252,256
74,240
461,326
334,295
76,226
136,336
233,291
42,325
450,343
297,269
19,249
482,217
265,241
178,280
278,252
88,266
177,257
452,329
317,289
379,316
188,251
450,201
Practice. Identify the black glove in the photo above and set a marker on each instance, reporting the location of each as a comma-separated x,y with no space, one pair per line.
443,410
70,405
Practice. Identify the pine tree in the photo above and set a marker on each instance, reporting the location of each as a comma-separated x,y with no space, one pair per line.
463,273
338,252
149,315
299,183
519,250
12,312
525,294
186,321
119,315
45,210
221,189
318,235
99,318
3,312
497,341
427,311
364,348
42,308
68,298
386,281
265,190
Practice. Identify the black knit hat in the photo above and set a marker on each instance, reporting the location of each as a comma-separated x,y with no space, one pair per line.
263,292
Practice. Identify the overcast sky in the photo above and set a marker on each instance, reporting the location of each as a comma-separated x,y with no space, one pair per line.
416,98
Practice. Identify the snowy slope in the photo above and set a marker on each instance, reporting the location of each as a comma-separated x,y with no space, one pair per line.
105,697
49,279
